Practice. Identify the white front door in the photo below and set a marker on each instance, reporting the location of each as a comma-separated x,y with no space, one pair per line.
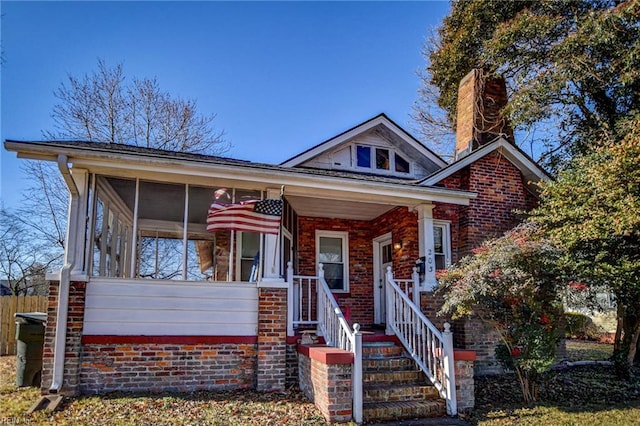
382,252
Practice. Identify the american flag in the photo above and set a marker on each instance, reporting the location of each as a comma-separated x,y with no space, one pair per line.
249,216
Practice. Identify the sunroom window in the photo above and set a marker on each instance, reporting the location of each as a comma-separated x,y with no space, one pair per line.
155,230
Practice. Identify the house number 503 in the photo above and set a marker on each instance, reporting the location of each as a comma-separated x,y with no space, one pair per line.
430,260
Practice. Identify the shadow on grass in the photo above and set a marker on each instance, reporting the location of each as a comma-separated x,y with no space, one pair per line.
573,396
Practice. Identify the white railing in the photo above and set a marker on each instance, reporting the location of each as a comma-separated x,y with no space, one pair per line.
335,329
302,299
411,287
430,348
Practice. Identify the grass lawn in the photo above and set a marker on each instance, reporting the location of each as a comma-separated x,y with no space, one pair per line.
578,396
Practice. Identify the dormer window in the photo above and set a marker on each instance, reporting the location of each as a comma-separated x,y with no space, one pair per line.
381,160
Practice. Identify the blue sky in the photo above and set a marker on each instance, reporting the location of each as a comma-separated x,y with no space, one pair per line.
281,76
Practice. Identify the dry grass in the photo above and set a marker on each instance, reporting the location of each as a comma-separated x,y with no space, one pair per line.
578,350
578,396
198,408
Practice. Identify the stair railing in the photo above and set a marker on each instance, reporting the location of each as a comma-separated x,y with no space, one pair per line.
430,348
333,326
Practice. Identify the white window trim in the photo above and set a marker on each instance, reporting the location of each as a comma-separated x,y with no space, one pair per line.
446,239
238,259
345,251
372,160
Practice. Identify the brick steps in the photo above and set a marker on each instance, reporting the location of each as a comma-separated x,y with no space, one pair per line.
402,410
394,388
400,392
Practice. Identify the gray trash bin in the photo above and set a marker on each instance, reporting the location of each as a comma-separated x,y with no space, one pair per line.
30,337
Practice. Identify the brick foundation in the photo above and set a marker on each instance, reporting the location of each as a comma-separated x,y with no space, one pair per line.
272,339
292,362
167,367
75,320
325,378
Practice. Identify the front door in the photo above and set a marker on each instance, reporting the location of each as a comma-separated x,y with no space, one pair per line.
382,250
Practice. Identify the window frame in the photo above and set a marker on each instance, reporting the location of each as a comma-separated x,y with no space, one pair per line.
445,225
344,236
239,258
373,154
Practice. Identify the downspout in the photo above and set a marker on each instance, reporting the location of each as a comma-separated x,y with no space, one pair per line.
59,348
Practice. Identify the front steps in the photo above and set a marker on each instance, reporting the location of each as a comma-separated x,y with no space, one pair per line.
394,388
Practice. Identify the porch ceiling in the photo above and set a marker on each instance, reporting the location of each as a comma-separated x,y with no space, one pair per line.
339,209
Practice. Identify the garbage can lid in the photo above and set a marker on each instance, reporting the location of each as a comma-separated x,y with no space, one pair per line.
32,317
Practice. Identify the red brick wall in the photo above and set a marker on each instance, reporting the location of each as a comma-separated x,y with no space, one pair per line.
328,385
359,300
171,367
403,225
500,190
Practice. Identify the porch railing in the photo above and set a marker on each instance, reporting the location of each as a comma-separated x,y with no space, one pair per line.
431,349
302,300
336,332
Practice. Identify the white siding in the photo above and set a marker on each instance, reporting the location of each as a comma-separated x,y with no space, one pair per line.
142,308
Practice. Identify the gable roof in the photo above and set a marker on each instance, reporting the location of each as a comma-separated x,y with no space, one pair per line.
378,120
531,171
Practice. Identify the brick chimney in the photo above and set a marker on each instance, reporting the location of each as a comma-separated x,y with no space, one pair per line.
479,121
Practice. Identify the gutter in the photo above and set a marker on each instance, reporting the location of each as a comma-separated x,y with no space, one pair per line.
59,348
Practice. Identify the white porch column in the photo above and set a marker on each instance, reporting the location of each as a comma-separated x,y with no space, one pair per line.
77,221
425,247
271,255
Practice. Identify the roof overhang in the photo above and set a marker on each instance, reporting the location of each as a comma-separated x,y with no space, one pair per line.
299,185
531,171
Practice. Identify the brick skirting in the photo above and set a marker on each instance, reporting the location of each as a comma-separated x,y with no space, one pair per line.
167,367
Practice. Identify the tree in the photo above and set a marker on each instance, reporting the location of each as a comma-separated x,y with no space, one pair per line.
575,64
104,106
23,259
592,212
511,283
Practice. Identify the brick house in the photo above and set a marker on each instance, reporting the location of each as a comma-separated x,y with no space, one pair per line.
148,299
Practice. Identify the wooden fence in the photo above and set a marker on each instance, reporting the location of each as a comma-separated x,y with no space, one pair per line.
9,305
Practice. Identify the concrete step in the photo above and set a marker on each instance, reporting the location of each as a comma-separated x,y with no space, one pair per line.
401,410
399,392
393,377
388,364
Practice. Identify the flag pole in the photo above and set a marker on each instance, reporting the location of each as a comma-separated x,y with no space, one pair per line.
277,244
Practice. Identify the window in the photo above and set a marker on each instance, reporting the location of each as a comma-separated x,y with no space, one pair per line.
249,248
441,244
363,154
157,230
402,165
383,160
332,252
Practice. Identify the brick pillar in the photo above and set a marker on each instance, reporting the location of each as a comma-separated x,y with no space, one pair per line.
272,339
465,382
75,320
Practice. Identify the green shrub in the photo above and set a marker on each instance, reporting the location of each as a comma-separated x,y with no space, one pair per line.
580,326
